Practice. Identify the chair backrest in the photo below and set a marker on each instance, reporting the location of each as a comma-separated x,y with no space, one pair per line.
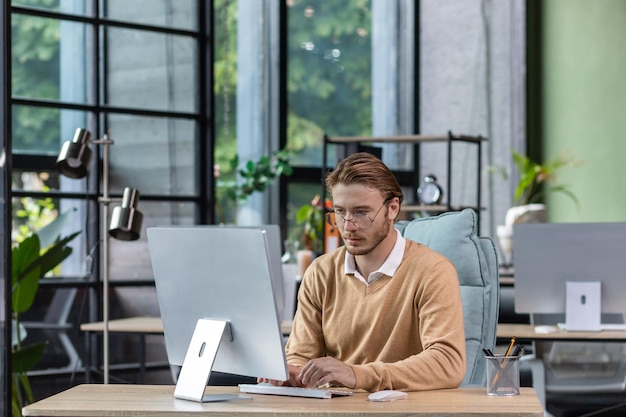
454,235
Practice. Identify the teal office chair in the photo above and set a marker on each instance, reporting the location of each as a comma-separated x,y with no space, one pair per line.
454,235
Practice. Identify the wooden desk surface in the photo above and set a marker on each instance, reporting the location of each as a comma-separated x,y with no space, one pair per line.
158,400
527,332
149,325
127,325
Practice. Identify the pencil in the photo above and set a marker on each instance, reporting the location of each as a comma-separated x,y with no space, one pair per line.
506,355
510,348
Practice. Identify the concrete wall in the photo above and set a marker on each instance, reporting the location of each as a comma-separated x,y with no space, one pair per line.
472,81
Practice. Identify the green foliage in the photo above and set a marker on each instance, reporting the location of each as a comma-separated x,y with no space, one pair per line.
32,214
30,263
328,83
36,73
311,217
32,259
536,179
253,176
328,78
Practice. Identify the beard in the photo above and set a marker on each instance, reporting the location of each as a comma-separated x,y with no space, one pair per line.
368,241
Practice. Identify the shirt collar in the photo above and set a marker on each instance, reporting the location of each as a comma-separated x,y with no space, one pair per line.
389,267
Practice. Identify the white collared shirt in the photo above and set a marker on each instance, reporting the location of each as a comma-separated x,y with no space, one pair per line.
388,267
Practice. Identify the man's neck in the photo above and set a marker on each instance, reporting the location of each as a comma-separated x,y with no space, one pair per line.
366,264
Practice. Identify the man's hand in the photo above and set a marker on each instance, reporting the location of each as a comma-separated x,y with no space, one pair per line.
293,381
327,370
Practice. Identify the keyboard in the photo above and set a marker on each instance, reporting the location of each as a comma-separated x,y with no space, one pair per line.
292,391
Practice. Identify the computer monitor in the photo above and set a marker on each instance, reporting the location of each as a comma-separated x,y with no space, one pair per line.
549,257
275,252
210,276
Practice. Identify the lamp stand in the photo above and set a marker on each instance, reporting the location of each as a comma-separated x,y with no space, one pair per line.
105,200
73,161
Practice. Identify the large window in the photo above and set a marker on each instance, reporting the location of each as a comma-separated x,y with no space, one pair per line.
134,71
135,79
342,80
329,74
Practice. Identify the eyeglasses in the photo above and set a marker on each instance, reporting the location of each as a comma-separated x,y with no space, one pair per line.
359,219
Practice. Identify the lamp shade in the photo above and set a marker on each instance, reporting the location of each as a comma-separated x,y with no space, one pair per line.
75,155
126,219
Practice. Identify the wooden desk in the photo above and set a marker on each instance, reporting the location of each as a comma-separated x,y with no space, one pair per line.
115,400
146,325
141,326
526,332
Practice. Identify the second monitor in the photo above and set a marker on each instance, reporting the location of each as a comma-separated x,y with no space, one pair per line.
549,257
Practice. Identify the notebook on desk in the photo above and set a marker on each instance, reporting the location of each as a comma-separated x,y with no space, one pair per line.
292,391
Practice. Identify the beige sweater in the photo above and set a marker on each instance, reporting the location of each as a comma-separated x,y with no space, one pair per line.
403,332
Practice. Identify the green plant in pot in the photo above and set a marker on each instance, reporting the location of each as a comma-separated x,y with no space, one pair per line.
253,176
311,217
535,180
32,259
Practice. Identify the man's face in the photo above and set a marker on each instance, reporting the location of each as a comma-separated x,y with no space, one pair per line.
367,208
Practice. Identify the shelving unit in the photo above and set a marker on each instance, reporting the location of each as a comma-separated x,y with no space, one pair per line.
351,144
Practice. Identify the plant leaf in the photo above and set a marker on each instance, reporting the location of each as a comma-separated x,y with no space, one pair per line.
26,272
52,231
24,359
56,253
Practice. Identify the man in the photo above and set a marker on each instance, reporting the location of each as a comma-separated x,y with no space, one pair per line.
380,312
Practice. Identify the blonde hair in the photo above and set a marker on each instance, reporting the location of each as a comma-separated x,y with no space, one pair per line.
366,169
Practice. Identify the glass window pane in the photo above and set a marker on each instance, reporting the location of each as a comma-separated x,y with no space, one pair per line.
43,130
35,52
225,85
78,7
132,259
329,73
178,14
31,214
154,155
48,59
151,71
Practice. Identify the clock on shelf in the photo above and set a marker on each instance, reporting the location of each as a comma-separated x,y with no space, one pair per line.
429,192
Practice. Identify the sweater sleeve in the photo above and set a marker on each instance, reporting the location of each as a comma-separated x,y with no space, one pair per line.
306,340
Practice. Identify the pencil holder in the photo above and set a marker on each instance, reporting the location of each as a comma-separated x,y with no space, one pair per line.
502,375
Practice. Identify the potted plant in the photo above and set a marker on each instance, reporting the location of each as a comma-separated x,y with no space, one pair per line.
32,259
535,180
311,217
254,176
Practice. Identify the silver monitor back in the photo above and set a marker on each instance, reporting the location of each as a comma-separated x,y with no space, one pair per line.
275,245
225,274
547,255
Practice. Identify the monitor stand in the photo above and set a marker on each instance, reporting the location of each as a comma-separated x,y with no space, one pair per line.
583,306
203,347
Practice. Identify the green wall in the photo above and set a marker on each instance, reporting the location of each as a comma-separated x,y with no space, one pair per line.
584,105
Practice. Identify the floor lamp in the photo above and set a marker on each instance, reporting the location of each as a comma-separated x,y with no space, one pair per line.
73,162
